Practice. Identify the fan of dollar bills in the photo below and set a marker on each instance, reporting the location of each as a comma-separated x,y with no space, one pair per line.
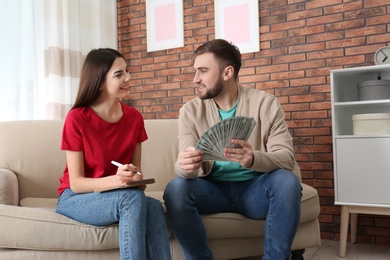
219,136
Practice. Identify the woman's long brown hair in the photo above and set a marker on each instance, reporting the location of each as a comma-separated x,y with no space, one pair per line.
93,73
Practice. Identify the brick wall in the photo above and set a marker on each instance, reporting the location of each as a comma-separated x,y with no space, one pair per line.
300,41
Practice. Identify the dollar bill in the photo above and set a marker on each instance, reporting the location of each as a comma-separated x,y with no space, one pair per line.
219,136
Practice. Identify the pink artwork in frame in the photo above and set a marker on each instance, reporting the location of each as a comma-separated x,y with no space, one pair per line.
164,24
238,22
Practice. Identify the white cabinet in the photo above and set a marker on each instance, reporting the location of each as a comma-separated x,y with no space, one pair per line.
361,163
361,178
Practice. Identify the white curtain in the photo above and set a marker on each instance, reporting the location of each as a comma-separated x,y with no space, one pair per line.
45,44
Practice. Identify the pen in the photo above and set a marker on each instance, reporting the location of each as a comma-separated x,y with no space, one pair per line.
119,165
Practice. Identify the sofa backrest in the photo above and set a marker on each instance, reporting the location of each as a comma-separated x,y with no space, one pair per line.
31,149
159,152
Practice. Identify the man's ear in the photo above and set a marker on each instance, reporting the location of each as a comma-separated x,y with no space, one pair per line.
228,73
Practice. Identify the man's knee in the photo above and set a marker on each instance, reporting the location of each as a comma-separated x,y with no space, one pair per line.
176,189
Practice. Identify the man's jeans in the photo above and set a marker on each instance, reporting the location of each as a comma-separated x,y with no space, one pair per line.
142,228
274,196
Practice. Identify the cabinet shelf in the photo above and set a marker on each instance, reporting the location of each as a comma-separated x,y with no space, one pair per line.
363,103
360,136
344,96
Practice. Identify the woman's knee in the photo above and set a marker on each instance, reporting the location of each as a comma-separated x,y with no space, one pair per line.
154,204
132,197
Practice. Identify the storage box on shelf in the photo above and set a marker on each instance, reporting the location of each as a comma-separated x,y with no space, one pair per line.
371,124
361,164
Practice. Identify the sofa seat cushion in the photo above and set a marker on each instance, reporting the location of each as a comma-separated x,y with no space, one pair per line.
43,203
42,229
310,207
222,225
37,218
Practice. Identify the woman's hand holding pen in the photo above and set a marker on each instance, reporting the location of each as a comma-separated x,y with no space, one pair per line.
127,172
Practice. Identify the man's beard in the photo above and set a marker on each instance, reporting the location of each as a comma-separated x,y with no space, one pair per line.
213,92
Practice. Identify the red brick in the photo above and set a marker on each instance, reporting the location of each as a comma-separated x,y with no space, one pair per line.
318,72
289,58
343,8
307,31
288,75
384,19
307,81
325,54
307,65
299,123
288,41
295,107
320,89
154,94
313,165
273,84
366,12
273,35
292,91
148,74
304,14
149,109
307,98
288,25
323,139
382,38
254,78
325,36
312,131
319,3
346,60
358,41
310,114
291,7
319,105
324,19
365,31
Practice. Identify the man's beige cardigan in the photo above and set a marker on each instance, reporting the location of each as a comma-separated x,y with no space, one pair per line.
271,141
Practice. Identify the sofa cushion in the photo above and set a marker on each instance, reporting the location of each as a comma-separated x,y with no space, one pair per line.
310,208
24,225
42,219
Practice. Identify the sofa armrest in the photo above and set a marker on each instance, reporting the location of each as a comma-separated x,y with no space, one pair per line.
9,188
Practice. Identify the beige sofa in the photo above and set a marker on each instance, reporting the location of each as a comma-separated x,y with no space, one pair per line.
31,164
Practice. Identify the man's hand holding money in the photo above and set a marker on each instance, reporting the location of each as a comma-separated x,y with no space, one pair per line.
190,159
243,154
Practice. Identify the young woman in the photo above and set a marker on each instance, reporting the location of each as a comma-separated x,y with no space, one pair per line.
98,129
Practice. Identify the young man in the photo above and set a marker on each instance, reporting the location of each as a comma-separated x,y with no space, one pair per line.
261,179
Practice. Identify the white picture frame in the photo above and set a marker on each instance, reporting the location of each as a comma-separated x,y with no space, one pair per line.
238,22
164,24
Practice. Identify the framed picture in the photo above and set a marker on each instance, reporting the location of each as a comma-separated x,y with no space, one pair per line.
164,24
238,22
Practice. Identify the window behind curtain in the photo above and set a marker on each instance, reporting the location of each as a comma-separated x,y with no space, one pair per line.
44,43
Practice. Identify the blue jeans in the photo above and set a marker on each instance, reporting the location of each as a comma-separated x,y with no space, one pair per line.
274,196
142,228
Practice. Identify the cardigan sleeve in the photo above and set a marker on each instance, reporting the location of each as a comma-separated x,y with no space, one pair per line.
279,150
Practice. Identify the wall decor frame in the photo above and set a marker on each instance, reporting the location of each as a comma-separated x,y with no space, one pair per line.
238,22
164,24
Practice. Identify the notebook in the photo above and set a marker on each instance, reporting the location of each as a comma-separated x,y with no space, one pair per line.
129,185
